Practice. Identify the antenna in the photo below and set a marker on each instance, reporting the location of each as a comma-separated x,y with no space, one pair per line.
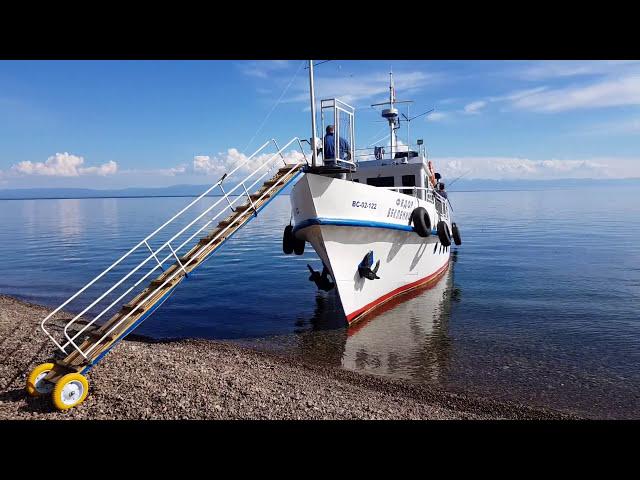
413,118
315,65
409,120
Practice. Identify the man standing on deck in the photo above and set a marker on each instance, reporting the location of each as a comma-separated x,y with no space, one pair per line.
441,190
329,146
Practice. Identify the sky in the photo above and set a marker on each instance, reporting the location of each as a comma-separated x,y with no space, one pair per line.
118,124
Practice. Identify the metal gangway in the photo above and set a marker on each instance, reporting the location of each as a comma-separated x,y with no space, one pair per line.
84,342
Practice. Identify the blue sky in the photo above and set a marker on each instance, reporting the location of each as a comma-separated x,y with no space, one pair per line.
112,124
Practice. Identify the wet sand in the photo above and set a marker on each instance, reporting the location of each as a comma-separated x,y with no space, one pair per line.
203,379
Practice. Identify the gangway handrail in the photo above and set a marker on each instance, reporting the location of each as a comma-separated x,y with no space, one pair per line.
168,280
168,243
155,232
148,237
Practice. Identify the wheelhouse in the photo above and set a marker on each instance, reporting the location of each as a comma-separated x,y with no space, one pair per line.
402,168
406,173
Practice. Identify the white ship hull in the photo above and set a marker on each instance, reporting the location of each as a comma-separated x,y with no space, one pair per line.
344,220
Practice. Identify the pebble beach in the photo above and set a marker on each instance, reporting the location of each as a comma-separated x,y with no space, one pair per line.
203,379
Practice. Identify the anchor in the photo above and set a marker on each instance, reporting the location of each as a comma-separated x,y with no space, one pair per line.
321,280
364,269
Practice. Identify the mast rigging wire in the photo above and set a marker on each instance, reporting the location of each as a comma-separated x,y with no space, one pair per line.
273,108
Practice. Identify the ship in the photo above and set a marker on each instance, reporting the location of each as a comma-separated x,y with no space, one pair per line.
377,217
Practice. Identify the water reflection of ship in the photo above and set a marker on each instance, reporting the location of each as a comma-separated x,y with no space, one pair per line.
406,338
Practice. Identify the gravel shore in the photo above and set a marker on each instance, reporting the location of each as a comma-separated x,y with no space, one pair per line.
202,379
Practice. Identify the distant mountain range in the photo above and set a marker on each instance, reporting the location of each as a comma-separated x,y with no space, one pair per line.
565,183
195,190
173,191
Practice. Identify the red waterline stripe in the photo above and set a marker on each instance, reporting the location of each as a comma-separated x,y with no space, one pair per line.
393,293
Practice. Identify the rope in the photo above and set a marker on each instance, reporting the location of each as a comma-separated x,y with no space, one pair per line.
273,108
380,139
374,136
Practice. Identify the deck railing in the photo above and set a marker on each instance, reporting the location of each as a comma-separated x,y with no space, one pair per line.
369,153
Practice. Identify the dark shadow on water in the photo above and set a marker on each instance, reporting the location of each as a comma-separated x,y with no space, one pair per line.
327,314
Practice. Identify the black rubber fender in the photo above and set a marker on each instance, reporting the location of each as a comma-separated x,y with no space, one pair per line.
288,240
443,233
455,232
298,246
421,221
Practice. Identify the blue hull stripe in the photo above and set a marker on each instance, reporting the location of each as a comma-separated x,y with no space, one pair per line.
341,222
162,299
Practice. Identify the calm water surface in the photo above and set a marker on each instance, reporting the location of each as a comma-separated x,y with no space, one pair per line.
541,303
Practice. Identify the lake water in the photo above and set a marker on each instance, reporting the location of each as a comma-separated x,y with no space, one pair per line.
540,306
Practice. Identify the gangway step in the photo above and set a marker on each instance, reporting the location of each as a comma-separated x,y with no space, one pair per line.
256,196
206,240
97,335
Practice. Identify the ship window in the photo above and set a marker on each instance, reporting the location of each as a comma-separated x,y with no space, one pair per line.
408,181
356,180
380,181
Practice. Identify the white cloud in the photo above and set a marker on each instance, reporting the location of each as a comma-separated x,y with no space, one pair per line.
108,168
373,87
63,165
518,94
223,163
614,92
573,68
512,168
436,116
262,68
474,107
173,171
621,127
204,164
606,92
69,166
183,168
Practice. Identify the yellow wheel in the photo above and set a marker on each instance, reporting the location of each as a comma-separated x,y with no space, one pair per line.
36,385
70,390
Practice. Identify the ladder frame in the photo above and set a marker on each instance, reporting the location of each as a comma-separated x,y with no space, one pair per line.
153,253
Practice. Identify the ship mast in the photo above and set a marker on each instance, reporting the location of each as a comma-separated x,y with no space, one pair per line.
312,93
392,120
391,114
